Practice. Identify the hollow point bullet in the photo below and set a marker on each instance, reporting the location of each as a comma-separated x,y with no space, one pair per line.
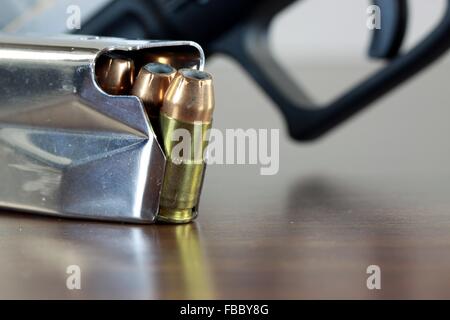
188,105
115,73
151,85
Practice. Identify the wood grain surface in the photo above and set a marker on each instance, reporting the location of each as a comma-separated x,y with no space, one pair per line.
374,192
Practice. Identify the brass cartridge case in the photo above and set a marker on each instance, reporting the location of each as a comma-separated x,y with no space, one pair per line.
185,120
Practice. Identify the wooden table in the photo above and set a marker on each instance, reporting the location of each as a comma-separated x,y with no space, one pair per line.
374,192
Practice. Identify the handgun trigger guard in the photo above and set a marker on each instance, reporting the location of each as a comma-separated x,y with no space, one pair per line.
247,43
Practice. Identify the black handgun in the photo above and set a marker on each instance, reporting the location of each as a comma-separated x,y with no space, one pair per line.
239,28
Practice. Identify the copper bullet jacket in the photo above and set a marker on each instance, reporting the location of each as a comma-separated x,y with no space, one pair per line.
190,97
151,85
115,73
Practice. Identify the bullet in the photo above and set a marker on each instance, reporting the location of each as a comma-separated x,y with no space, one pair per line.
115,73
151,85
187,108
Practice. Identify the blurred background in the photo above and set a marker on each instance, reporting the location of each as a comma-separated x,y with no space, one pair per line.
308,30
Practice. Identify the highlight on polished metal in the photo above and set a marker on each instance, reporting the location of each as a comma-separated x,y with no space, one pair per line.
69,149
188,105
